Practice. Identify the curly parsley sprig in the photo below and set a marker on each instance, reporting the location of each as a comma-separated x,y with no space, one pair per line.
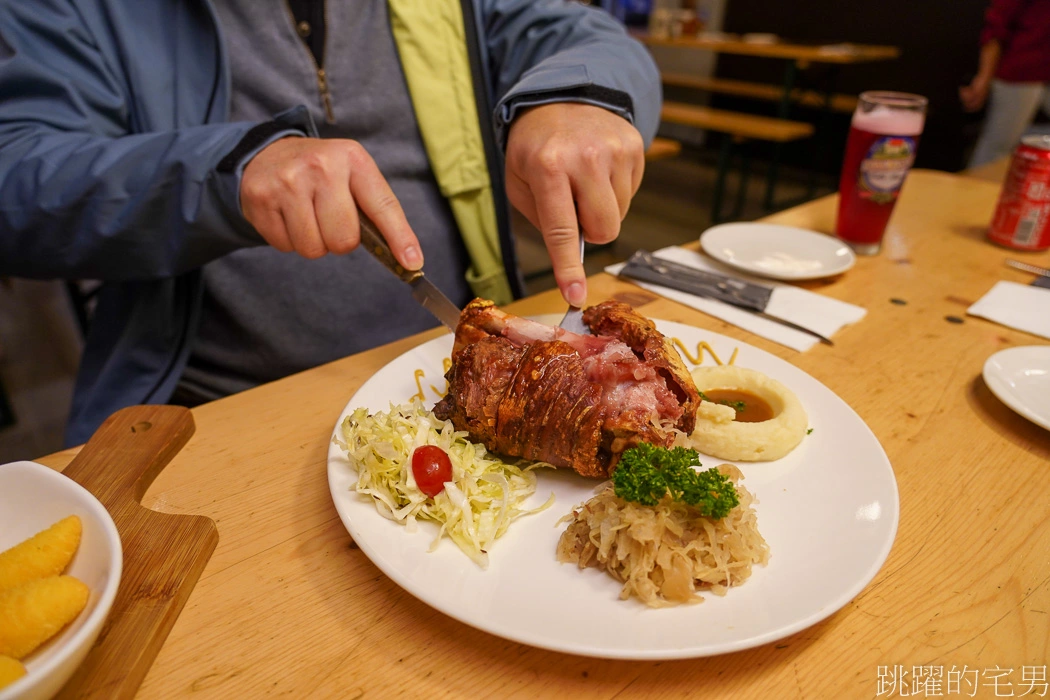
646,473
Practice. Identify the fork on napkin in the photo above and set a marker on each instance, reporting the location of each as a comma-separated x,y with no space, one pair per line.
803,307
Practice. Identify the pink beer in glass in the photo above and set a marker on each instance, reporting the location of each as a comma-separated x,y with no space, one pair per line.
883,137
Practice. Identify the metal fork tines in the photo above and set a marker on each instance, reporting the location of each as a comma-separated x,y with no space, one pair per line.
573,320
1027,267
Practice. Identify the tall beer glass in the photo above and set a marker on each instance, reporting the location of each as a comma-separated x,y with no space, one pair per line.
880,151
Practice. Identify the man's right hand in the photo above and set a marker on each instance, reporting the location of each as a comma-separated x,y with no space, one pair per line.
302,195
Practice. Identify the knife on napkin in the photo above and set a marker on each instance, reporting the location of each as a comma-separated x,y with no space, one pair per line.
423,290
740,293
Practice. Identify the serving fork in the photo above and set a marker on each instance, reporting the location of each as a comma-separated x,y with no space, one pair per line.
573,319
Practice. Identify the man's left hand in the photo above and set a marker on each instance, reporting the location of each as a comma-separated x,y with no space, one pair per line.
573,167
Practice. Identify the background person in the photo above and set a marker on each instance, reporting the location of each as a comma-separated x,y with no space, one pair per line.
1013,75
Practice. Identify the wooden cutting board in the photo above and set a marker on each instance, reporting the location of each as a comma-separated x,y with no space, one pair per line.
164,554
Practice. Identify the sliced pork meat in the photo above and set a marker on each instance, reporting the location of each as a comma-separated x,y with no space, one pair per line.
525,389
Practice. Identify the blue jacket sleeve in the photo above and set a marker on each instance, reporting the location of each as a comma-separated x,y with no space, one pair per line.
85,190
551,50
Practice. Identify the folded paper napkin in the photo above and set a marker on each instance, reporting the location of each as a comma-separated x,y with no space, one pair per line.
1024,307
808,309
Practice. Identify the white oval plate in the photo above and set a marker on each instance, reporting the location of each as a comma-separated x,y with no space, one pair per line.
828,510
1020,378
778,252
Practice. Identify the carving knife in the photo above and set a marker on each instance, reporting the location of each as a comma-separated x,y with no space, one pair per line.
423,290
740,293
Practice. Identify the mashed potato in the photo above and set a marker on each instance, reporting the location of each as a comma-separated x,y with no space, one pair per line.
721,434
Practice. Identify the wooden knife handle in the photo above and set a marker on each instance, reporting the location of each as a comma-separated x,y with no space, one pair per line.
164,553
374,242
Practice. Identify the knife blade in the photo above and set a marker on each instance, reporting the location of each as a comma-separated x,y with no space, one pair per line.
423,290
752,297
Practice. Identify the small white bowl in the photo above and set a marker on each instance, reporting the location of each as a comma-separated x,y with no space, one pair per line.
32,498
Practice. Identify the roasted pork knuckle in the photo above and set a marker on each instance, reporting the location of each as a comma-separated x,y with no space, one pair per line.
525,389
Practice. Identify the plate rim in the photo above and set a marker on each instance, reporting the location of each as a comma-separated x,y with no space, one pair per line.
708,248
824,611
997,385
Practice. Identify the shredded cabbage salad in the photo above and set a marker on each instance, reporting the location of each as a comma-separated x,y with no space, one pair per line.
476,507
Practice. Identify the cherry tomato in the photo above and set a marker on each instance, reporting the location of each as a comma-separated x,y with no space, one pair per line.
432,468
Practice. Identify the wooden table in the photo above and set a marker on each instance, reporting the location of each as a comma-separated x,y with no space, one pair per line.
798,57
992,172
288,606
807,53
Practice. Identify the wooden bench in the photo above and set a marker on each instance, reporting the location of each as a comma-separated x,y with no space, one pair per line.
737,127
759,91
738,124
662,148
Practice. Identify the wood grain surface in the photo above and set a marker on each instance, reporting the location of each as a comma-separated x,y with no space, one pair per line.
288,606
992,172
823,53
164,553
750,126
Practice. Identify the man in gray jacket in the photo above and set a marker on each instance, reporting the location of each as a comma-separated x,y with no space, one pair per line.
157,145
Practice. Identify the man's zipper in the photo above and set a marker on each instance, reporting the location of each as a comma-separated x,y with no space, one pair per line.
319,72
493,156
326,96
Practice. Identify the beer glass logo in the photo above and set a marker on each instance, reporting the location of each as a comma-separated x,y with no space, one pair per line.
883,169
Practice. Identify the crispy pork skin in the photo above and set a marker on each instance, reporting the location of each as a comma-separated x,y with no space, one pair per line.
525,389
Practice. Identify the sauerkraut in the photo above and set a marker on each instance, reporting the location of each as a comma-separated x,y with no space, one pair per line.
665,554
485,495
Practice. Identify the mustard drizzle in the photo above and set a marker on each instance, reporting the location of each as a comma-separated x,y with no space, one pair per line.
701,346
419,374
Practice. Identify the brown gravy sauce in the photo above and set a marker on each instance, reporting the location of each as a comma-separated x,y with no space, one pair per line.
755,408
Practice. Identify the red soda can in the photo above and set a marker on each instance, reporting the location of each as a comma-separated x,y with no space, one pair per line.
1022,217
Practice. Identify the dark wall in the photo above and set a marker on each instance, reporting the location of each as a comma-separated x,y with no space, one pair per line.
938,42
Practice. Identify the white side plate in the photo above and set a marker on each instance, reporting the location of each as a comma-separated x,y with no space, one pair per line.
777,252
1020,378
